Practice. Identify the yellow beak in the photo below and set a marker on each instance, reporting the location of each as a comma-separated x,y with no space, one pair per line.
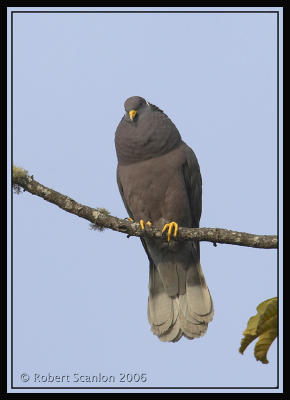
132,114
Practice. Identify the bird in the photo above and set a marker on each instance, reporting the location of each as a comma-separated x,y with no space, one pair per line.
159,180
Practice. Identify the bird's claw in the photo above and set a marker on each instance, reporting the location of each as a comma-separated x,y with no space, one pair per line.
141,222
170,227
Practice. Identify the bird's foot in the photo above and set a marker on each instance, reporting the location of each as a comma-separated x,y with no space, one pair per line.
141,222
170,227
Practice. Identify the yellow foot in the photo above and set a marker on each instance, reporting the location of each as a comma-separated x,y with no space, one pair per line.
170,227
141,222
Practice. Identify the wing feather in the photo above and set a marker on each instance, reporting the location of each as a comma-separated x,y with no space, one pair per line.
193,184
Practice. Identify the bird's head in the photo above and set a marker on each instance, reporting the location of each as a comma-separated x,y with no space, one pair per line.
135,107
144,132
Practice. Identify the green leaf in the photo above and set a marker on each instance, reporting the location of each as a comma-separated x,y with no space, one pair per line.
263,345
263,325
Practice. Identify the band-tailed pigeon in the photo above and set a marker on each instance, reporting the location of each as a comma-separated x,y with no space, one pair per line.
160,183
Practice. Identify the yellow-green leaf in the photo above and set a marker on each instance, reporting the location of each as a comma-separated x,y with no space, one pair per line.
263,325
263,345
268,319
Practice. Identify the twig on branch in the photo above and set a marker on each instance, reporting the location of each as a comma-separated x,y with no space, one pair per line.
101,218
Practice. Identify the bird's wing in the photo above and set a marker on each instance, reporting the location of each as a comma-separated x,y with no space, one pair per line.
130,212
193,184
122,195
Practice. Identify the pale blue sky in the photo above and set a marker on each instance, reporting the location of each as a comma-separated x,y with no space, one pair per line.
80,297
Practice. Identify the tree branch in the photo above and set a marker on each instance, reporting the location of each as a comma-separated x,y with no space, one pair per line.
101,219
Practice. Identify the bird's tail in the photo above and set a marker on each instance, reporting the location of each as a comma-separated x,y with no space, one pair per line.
186,314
